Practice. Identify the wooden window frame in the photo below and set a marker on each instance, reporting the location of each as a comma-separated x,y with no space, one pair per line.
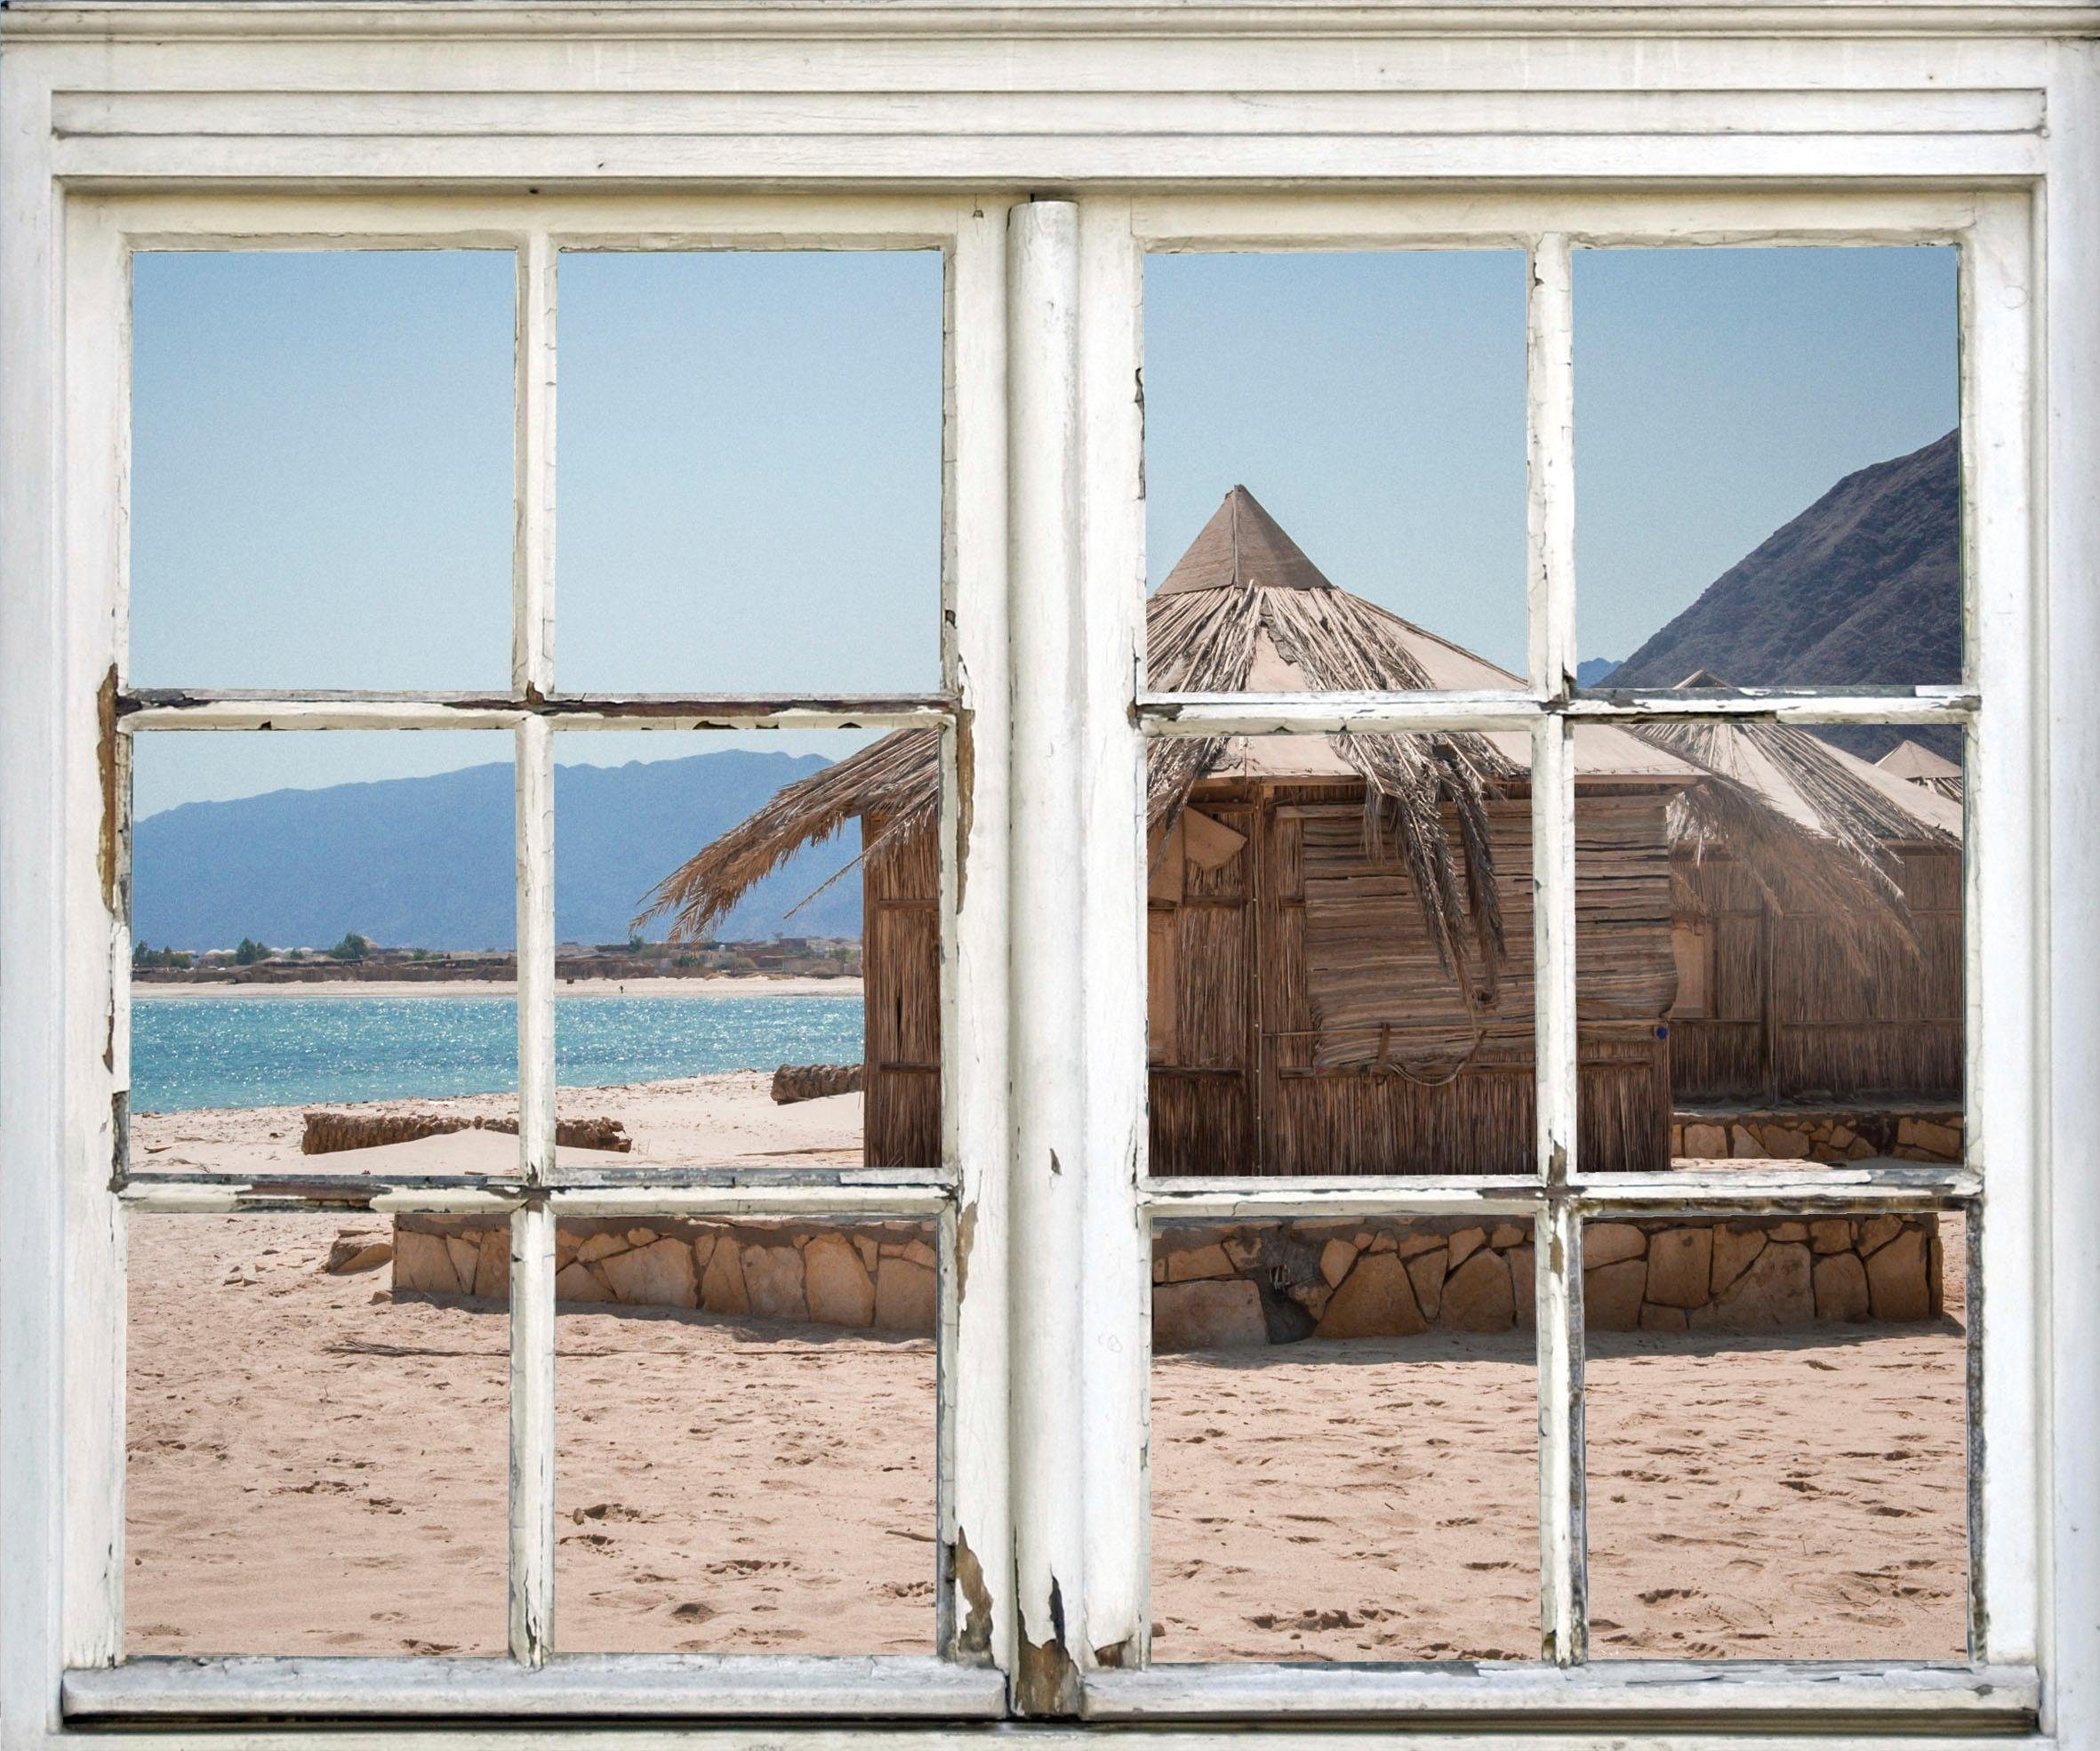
214,125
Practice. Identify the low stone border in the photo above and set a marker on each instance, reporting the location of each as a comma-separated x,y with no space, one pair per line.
870,1275
1824,1134
1234,1286
1244,1285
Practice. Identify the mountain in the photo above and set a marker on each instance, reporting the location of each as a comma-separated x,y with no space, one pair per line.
426,863
1864,587
1591,672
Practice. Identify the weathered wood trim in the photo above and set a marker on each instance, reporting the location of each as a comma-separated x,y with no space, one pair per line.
671,1190
532,1436
1112,1621
2064,1284
173,708
107,21
1047,995
2005,832
1653,1696
582,1688
1372,713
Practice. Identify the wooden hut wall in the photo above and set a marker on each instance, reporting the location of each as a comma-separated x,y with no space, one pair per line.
1249,1074
901,964
1804,1006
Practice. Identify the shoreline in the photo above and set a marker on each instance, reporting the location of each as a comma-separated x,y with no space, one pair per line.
750,984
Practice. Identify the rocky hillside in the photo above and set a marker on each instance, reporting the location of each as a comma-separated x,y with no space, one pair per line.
1862,588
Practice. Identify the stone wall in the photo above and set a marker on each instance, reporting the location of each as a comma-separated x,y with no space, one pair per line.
1242,1285
1238,1285
1797,1134
876,1274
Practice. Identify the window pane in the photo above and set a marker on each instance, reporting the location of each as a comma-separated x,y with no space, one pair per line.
1309,1011
1769,469
745,1446
316,1463
750,472
1772,928
1344,1440
1351,421
716,917
1776,1430
323,971
321,473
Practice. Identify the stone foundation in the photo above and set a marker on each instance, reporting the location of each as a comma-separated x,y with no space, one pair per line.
1804,1134
878,1274
1276,1282
1238,1285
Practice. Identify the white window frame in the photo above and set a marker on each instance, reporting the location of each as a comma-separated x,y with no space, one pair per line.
1880,122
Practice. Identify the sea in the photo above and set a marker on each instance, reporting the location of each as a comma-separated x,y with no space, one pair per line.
193,1051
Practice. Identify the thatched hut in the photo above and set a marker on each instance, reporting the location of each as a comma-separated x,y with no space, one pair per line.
1807,978
1339,928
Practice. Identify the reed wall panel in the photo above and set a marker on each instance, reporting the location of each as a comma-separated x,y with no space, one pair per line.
1812,1006
1198,1124
901,985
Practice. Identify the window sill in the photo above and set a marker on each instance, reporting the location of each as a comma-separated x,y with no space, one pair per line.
579,1687
1626,1695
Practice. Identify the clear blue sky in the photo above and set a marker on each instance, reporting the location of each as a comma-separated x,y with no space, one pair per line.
749,454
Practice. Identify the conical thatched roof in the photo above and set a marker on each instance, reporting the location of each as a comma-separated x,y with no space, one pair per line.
1917,765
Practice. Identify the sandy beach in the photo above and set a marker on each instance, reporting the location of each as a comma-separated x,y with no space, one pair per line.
317,1468
725,1120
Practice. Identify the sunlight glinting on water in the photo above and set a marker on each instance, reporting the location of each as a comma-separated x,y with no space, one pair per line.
190,1052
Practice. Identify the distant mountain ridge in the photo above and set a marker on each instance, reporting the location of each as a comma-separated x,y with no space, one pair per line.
427,862
1863,588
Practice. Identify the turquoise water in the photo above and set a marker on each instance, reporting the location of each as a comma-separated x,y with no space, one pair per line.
189,1052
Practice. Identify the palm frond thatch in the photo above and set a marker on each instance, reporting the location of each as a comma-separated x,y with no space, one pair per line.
1816,828
895,781
1201,641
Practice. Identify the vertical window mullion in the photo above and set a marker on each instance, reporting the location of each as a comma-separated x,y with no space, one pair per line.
532,1227
975,1616
2006,1098
1047,1156
1549,375
1118,1279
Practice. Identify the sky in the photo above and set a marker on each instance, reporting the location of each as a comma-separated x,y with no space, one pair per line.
748,445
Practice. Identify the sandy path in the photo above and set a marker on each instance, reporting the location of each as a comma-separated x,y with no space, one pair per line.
315,1470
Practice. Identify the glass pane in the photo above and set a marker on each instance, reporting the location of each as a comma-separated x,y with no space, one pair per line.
1769,467
1345,434
1344,1440
713,911
1772,927
1777,1428
745,1456
1309,1010
321,469
315,1464
323,971
751,444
